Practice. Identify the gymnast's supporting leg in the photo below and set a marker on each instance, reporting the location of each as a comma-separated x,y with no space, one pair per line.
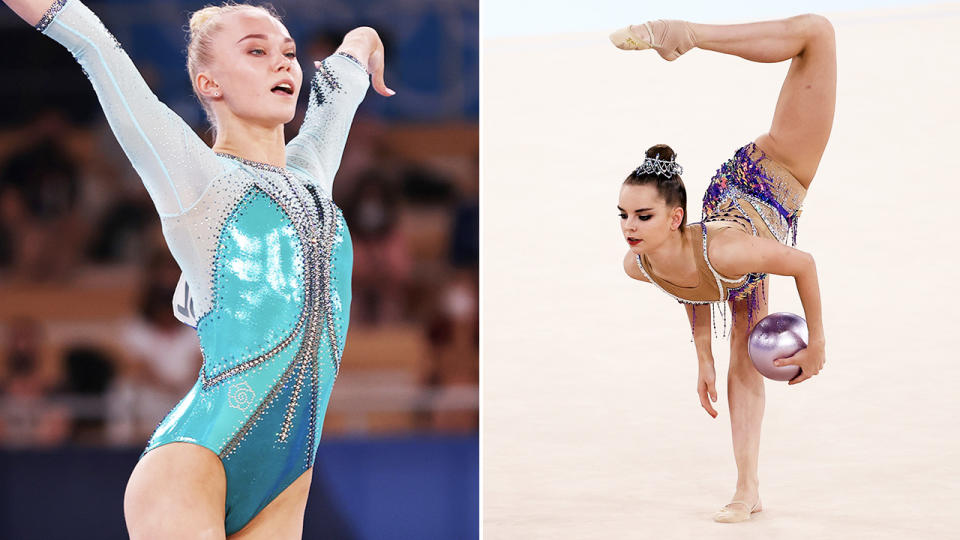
154,505
745,393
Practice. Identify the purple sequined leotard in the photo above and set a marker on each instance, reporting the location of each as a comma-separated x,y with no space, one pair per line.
751,193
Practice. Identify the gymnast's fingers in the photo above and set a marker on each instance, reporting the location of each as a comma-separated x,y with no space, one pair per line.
800,378
376,69
702,390
794,359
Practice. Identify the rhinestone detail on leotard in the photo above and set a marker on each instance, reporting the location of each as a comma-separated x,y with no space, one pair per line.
49,15
349,56
317,306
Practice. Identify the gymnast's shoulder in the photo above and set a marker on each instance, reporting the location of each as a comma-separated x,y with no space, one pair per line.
631,268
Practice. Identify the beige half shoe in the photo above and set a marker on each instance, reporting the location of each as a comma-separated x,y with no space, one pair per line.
629,40
733,514
670,38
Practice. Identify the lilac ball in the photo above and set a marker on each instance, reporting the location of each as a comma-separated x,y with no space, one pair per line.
778,335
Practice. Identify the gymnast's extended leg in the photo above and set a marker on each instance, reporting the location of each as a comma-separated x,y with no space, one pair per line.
803,116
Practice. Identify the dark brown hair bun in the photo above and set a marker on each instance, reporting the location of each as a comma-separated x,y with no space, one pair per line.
670,188
664,151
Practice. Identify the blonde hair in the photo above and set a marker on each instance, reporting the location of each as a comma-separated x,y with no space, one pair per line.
204,24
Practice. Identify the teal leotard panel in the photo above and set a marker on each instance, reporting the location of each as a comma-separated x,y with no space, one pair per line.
261,410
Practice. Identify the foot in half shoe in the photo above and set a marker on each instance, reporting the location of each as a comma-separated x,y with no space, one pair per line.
736,511
670,38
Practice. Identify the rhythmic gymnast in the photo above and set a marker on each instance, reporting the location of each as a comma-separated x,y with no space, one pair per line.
749,222
265,253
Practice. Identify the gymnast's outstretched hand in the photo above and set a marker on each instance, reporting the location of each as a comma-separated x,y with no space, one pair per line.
364,43
810,359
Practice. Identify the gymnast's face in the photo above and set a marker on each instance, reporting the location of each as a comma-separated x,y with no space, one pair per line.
645,219
255,69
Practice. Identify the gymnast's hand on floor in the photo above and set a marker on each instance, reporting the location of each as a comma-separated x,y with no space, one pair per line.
810,359
706,384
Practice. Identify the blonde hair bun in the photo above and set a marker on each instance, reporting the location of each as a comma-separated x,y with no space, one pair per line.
200,17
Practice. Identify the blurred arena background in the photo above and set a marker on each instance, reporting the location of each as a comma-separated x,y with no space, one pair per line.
91,356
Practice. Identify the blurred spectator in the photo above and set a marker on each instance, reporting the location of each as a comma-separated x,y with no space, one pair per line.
162,358
89,370
381,262
452,371
426,187
15,227
28,376
120,234
465,238
40,188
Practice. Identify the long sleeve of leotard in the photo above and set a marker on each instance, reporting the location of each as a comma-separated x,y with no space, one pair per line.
336,90
173,162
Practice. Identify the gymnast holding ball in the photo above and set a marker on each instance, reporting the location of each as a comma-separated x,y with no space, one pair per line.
749,224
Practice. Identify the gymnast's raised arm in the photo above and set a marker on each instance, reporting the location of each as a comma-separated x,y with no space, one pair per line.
336,91
173,162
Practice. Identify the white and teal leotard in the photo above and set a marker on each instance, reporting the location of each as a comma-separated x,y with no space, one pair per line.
266,259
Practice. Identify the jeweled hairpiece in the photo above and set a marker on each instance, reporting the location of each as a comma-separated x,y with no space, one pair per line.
658,166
